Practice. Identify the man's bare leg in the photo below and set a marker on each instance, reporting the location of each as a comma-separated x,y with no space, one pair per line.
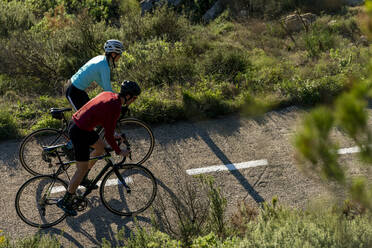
99,149
81,170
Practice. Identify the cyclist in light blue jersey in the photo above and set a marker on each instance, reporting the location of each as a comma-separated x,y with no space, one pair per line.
95,70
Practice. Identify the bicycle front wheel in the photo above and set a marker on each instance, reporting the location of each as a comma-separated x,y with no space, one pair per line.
31,151
36,201
116,197
140,137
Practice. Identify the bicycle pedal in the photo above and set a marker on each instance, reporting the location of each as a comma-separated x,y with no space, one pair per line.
80,203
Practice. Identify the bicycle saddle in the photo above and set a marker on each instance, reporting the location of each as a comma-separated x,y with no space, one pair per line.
57,112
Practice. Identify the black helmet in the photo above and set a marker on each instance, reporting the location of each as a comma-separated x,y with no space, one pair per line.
130,88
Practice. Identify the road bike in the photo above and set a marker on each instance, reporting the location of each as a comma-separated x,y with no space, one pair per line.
126,190
31,152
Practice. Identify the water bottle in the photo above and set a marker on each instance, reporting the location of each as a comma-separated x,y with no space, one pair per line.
69,145
68,149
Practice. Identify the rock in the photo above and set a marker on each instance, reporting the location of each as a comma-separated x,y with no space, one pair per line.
363,41
213,12
295,22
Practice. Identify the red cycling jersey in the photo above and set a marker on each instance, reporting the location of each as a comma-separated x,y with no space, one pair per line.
103,110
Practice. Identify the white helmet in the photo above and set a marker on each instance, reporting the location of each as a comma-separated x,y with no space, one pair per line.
113,46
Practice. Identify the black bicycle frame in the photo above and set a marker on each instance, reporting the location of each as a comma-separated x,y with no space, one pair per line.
109,164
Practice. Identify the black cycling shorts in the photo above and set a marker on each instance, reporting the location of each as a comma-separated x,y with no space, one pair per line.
81,141
77,97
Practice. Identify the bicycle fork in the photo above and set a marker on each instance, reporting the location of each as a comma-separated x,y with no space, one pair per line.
99,176
121,179
44,200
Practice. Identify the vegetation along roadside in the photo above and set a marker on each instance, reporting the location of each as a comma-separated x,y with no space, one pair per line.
249,59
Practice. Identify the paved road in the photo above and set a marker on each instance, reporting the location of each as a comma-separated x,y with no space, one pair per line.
180,147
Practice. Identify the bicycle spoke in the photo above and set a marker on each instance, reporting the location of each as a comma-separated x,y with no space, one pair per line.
36,201
31,154
119,200
140,137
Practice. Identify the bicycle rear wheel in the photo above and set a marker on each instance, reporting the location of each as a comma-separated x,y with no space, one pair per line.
140,137
36,200
142,193
31,151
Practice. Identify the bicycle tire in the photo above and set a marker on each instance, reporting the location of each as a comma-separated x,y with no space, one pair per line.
140,137
143,190
30,150
30,200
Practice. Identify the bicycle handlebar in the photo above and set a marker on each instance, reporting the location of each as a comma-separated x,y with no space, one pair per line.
125,141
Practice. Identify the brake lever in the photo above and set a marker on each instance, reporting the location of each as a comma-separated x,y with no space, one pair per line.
124,138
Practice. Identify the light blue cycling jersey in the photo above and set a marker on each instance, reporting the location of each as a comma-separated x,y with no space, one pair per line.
97,69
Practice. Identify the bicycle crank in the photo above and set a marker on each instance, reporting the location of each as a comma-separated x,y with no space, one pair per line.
79,203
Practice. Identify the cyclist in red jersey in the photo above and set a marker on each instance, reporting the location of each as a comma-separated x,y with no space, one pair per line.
103,110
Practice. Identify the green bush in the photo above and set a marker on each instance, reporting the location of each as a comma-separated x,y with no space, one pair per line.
310,92
208,103
15,16
41,59
37,240
46,121
225,63
39,7
157,62
104,10
163,23
8,125
153,107
318,40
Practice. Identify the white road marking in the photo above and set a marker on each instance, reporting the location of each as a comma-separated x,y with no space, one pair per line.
251,164
353,149
214,168
230,167
111,182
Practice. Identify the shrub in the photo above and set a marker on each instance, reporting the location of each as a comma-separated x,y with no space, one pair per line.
39,7
104,10
312,91
48,57
346,27
26,58
163,23
46,121
244,214
157,62
224,63
152,238
36,240
205,104
153,107
318,40
8,125
14,17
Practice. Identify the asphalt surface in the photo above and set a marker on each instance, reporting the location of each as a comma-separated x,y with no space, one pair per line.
179,147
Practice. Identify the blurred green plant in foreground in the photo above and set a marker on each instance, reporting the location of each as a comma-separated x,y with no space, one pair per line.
317,151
